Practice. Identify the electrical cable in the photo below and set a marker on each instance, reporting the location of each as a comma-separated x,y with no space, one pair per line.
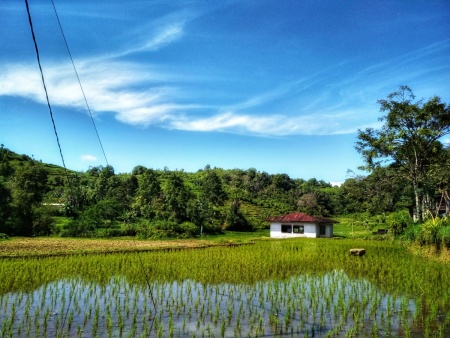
51,115
79,82
43,83
57,138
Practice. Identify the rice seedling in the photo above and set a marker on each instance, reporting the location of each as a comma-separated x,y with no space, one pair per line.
291,287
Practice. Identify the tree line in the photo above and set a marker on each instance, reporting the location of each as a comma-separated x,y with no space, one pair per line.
406,161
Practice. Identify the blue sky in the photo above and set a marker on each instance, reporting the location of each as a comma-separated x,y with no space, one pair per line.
280,86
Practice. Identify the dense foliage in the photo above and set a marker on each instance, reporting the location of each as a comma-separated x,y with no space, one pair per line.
408,175
40,199
410,140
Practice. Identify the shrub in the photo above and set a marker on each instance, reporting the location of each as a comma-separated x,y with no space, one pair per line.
399,221
412,232
189,230
167,229
159,229
444,235
430,230
43,222
84,226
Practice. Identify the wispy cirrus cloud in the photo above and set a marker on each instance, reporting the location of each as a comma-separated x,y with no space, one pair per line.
88,158
164,36
143,95
110,87
273,125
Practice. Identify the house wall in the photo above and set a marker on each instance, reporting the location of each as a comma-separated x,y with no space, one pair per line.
328,230
310,230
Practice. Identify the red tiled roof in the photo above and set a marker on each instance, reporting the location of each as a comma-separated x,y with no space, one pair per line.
300,217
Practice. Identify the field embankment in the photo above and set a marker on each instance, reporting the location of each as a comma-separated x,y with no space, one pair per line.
55,246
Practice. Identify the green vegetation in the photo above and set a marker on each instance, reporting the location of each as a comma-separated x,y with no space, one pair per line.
410,141
232,280
298,287
408,176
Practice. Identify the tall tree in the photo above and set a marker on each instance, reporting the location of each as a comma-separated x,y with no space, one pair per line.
148,193
5,207
409,138
212,189
176,197
28,188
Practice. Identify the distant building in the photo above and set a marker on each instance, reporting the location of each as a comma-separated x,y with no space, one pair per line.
299,224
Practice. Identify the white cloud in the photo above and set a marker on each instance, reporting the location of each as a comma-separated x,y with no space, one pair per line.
272,125
88,158
163,37
224,122
144,95
139,96
109,87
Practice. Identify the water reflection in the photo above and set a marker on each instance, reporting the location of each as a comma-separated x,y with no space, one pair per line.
332,304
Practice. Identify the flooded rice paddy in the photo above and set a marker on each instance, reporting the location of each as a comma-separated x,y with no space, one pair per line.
289,288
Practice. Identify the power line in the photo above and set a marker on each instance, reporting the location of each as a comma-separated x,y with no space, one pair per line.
79,82
43,83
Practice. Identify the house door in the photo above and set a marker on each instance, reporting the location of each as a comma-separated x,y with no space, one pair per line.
322,230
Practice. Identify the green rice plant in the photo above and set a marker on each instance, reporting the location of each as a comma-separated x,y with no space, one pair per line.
322,290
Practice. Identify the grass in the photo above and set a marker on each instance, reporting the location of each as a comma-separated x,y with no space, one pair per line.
56,246
357,226
239,236
292,287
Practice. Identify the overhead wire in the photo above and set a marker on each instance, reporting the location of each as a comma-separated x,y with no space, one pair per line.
43,83
30,21
101,145
79,81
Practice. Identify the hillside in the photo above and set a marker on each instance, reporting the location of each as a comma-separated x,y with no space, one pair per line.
40,199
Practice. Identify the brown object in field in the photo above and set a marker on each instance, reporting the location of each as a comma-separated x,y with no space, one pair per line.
357,252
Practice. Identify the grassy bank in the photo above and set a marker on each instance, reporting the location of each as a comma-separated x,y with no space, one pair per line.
56,246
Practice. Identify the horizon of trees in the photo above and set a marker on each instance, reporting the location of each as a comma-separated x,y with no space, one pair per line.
408,168
156,203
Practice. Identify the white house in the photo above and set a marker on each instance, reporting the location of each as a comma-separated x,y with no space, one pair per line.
299,224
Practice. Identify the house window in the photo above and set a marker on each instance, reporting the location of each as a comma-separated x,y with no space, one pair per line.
286,228
298,229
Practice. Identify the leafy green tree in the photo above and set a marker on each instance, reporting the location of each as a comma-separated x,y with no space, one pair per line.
409,138
104,181
148,195
138,170
442,181
176,197
384,190
168,229
5,165
316,203
109,210
43,222
5,207
282,182
212,189
75,195
202,213
352,195
235,220
85,225
28,188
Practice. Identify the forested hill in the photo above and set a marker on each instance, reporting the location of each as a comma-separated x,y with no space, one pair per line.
35,196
